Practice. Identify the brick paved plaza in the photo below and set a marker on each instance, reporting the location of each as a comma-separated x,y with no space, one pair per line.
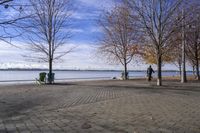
101,106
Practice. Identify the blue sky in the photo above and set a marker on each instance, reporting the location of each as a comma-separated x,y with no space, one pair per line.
85,33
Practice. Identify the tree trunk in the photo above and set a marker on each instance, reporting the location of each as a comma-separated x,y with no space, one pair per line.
193,70
183,71
159,70
50,62
196,61
180,70
125,70
197,69
50,71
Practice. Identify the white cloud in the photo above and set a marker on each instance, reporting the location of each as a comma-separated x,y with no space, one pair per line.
83,11
83,57
72,30
85,15
95,29
77,30
100,4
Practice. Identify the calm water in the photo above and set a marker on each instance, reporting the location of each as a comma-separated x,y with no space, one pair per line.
29,76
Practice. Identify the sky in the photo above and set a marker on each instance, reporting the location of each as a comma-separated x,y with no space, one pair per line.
85,31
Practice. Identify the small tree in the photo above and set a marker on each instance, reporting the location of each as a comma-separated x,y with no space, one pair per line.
118,43
48,31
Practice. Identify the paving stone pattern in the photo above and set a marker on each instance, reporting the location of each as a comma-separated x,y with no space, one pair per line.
101,106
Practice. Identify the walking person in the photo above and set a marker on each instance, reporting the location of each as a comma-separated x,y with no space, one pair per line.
149,73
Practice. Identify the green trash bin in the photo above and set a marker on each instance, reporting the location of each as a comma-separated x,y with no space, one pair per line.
42,77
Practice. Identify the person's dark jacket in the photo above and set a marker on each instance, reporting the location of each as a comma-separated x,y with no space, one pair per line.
150,71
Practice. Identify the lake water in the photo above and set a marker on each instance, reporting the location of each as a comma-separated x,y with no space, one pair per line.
29,76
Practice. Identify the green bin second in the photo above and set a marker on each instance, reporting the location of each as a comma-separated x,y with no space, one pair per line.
51,78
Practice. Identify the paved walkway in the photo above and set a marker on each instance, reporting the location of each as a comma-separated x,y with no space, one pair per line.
101,106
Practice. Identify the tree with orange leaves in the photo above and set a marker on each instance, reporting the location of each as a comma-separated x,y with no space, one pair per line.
120,35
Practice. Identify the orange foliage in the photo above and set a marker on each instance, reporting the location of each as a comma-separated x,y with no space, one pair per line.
149,56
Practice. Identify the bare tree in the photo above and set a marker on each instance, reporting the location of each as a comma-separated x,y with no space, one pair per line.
48,30
158,20
118,43
175,51
179,40
193,40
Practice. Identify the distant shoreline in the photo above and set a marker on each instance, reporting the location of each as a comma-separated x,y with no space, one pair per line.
40,69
